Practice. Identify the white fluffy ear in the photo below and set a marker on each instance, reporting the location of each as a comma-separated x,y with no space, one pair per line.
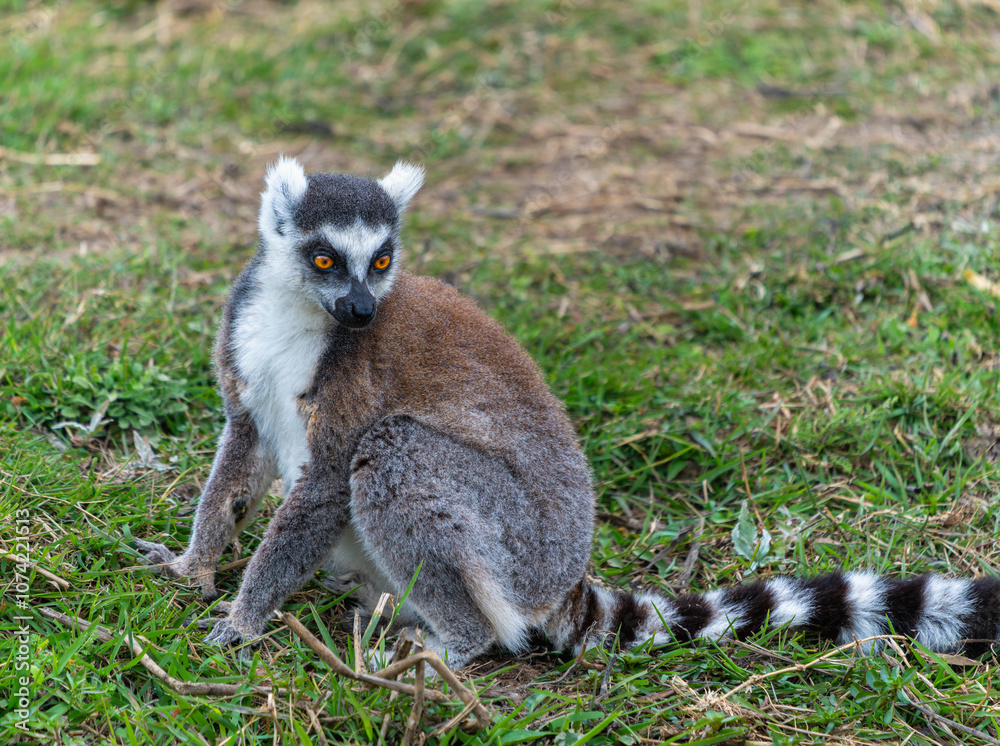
286,183
402,183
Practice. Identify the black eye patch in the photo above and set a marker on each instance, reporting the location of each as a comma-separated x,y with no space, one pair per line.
310,250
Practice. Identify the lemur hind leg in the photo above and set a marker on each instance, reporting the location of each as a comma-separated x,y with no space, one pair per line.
420,499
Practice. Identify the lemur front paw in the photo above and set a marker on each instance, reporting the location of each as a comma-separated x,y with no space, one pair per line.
226,633
165,562
163,559
223,607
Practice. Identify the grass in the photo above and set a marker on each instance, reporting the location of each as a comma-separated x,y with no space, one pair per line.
733,235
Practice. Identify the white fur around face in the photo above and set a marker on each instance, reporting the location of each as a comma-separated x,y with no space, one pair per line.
358,243
402,183
285,184
278,338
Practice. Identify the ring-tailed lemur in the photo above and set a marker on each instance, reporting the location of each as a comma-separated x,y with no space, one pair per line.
411,432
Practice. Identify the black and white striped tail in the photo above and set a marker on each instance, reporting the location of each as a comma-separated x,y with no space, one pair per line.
944,614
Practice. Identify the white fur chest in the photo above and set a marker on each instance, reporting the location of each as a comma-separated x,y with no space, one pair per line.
278,340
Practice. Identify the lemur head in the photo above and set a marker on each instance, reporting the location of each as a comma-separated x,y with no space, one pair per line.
334,238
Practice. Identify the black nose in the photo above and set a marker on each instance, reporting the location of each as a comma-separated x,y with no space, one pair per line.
363,314
357,308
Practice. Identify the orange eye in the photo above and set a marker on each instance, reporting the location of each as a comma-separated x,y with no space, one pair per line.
323,261
382,263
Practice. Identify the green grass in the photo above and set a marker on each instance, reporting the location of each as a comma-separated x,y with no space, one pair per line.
732,320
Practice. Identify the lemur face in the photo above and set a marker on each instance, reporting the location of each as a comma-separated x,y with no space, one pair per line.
335,237
351,268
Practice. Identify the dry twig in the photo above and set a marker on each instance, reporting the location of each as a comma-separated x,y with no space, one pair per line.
234,565
933,716
684,582
981,283
381,678
202,688
417,710
402,650
51,159
759,677
39,569
359,658
448,725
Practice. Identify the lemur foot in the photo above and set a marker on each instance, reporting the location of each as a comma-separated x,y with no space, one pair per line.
342,585
223,607
165,562
158,555
226,634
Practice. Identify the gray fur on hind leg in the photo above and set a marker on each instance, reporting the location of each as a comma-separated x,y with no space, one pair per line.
417,502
